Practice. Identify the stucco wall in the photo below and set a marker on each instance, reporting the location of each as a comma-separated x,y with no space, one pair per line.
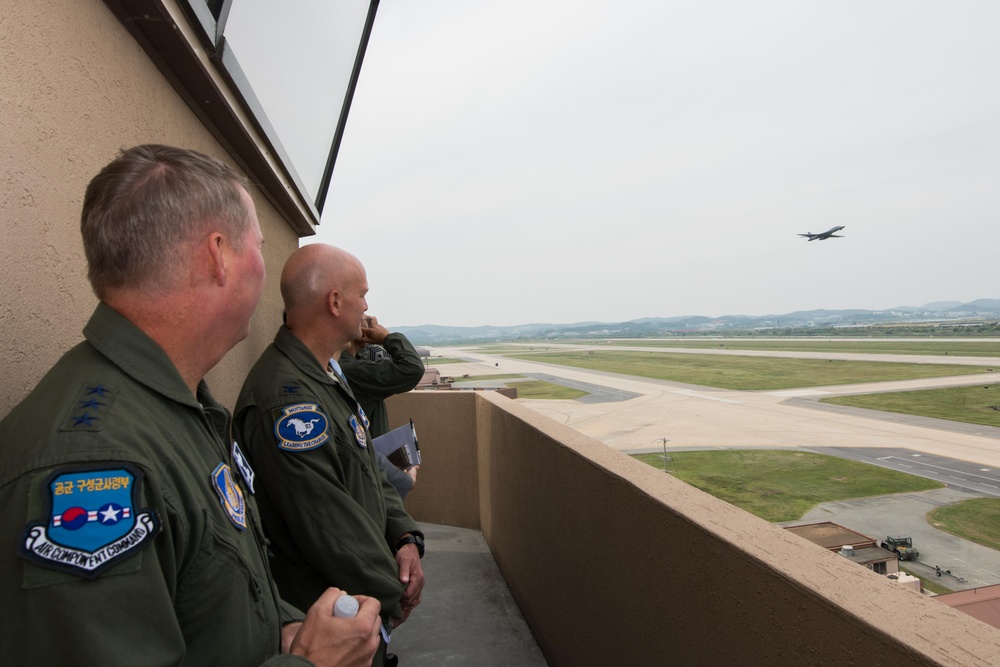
447,489
75,88
613,562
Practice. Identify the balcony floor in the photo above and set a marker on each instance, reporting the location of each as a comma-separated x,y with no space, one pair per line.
467,616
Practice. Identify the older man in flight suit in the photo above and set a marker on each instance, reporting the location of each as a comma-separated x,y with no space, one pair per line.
331,515
129,531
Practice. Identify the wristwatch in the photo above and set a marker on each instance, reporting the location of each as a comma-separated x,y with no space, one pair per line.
412,539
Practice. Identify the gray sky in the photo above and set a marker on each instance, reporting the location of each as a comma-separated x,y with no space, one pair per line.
524,161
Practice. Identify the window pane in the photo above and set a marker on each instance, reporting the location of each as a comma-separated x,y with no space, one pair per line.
298,56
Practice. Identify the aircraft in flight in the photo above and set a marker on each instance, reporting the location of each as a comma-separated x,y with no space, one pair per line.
828,234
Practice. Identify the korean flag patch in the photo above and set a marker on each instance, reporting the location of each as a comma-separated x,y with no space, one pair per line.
93,521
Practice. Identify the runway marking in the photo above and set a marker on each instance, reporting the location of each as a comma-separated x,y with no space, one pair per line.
945,470
693,394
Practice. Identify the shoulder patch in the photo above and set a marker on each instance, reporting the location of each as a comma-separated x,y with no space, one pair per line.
93,522
301,427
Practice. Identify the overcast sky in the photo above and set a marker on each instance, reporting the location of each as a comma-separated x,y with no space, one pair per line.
560,161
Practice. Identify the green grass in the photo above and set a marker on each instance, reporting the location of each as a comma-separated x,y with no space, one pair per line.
547,390
434,361
931,584
497,349
529,388
977,520
746,373
965,404
948,347
784,485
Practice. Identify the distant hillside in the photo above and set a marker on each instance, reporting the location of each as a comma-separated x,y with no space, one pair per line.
942,314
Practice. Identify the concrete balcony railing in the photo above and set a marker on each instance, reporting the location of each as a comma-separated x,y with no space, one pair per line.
613,562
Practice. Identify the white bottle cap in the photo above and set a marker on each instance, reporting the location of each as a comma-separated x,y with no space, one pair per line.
346,606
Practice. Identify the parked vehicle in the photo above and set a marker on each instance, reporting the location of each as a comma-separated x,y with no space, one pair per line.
901,545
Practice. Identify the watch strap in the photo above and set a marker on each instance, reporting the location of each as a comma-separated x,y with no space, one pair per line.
411,539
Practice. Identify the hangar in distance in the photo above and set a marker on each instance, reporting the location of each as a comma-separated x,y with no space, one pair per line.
828,234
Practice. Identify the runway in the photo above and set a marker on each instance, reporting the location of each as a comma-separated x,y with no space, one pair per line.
634,414
695,416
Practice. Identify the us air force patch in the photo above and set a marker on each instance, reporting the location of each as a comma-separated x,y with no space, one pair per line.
93,522
230,495
364,417
301,427
359,431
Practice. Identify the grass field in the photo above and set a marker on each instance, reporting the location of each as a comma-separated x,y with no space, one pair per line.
943,347
500,349
783,485
746,373
930,583
977,520
546,390
434,361
973,405
529,388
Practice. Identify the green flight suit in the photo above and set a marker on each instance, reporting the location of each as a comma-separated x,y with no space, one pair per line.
117,546
374,381
328,510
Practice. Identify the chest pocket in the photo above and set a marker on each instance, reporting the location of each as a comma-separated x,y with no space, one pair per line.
361,474
226,578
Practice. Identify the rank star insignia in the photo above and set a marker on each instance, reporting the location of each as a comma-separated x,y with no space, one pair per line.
86,419
93,406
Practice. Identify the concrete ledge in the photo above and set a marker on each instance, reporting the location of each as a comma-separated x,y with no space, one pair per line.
613,562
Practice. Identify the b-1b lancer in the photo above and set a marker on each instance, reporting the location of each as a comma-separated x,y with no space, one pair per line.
828,234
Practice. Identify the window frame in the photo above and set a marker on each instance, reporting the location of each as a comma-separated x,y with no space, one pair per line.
185,39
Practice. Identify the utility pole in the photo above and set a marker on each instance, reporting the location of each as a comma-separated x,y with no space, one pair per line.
665,457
